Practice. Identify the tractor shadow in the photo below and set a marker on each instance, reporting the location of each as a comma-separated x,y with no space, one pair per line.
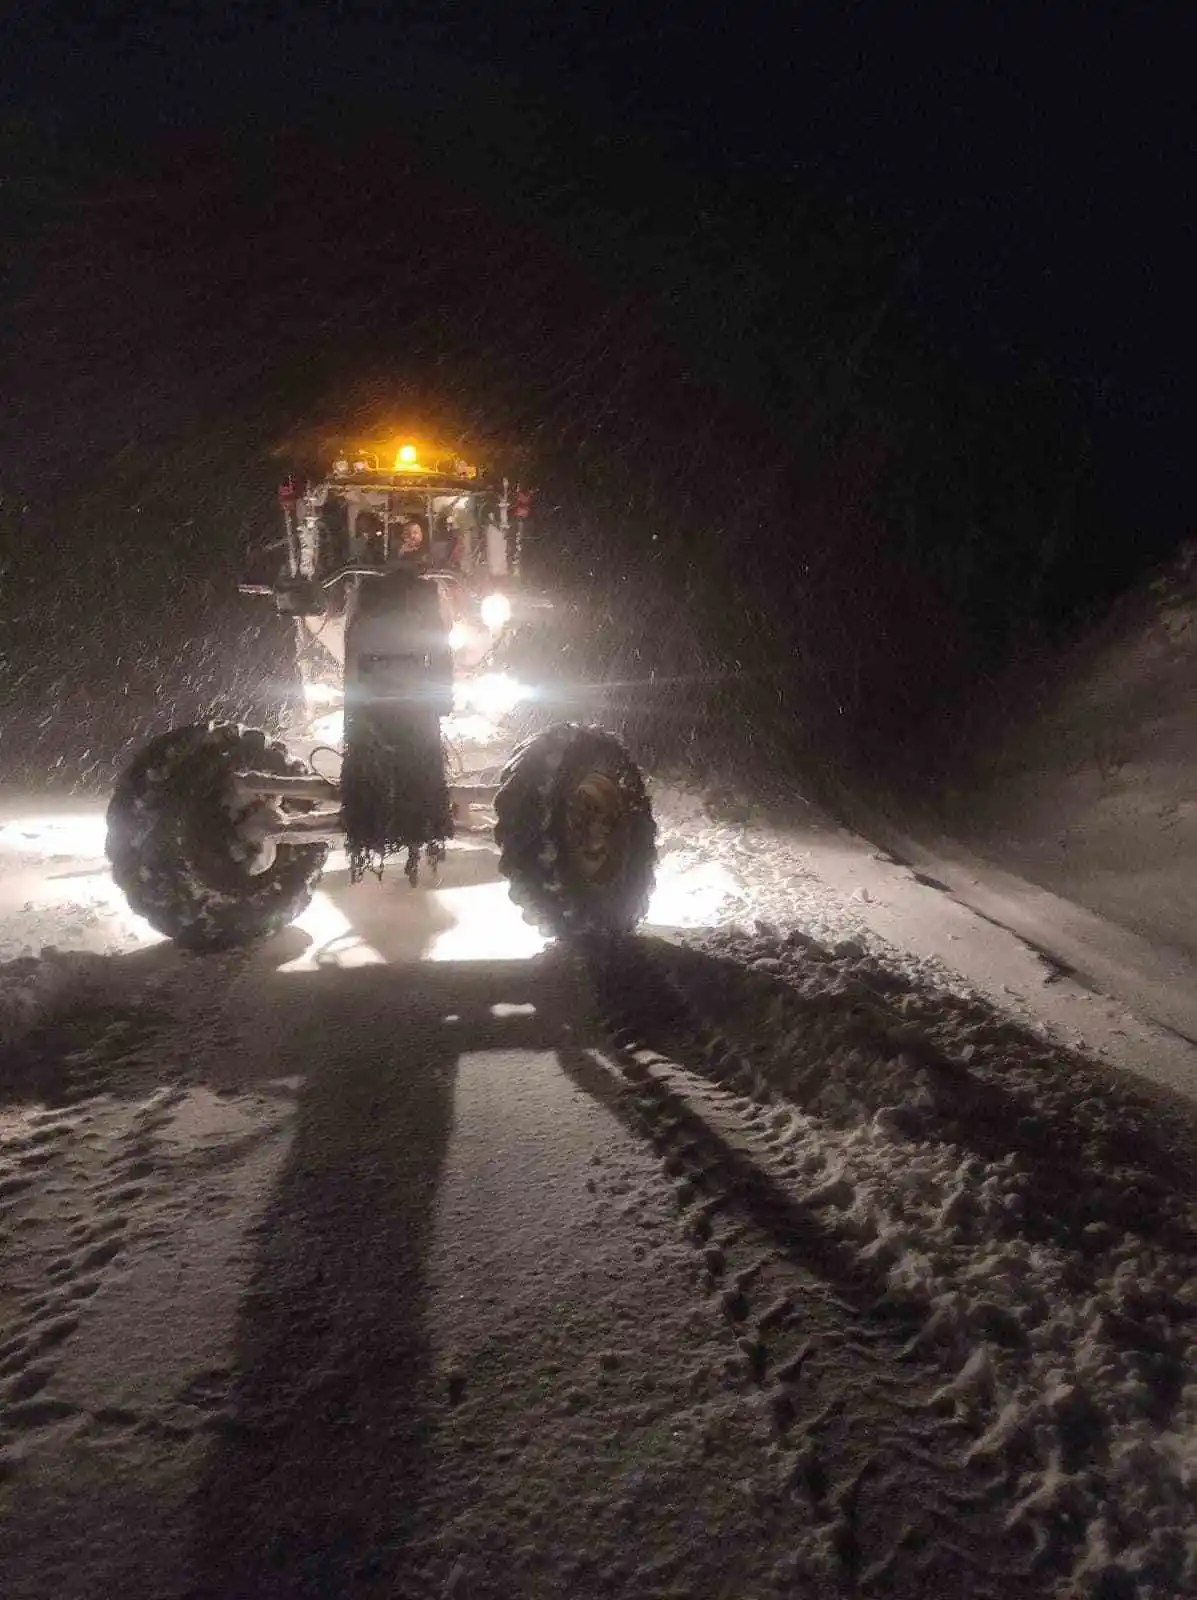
321,1420
320,1462
124,1024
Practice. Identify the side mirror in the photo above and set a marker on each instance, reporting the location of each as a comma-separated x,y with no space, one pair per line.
299,597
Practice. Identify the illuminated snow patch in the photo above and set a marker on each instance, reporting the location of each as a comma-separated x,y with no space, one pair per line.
79,836
691,893
486,927
334,942
56,888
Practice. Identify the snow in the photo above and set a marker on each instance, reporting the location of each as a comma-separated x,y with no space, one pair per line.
55,885
1020,1204
59,911
1090,793
944,913
371,1263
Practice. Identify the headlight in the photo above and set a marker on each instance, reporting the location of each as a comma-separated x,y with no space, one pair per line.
330,729
496,611
459,636
495,694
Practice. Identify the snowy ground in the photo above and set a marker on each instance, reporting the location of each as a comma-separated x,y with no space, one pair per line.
832,1239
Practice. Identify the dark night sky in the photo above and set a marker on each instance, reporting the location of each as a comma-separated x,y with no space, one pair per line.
653,213
1043,157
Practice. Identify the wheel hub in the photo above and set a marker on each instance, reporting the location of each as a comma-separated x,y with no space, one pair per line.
596,828
250,844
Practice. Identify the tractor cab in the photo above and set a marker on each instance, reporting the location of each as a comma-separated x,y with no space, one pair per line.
375,511
371,513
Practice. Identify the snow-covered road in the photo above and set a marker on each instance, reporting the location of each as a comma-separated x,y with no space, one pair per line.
402,1256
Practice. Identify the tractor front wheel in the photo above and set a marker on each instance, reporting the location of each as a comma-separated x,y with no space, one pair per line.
179,849
576,835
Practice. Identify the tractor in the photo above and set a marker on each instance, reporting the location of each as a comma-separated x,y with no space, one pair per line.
403,583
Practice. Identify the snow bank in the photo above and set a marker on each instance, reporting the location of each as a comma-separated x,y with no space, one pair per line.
1089,789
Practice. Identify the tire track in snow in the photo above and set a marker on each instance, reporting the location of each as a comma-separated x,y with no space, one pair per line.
1038,1221
868,1442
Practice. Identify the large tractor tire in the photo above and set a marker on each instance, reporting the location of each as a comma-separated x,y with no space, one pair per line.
174,846
576,835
